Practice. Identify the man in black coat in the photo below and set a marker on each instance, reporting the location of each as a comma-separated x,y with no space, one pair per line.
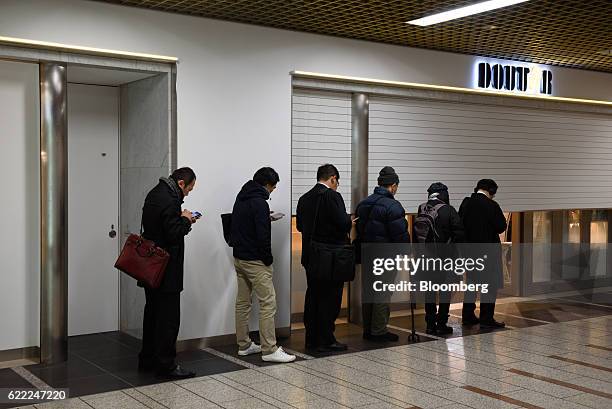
447,229
167,225
333,225
381,219
251,239
484,221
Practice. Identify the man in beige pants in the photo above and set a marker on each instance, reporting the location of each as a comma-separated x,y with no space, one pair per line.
251,239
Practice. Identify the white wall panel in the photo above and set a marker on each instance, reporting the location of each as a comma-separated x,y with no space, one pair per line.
321,133
540,159
20,208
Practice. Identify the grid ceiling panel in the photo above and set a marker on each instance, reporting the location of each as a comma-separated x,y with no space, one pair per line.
568,33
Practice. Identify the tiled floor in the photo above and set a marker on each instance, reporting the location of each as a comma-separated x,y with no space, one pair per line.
565,363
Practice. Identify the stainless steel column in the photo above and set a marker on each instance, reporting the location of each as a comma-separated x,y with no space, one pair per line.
54,213
359,184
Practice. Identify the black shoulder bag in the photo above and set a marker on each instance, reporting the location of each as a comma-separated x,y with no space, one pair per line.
330,262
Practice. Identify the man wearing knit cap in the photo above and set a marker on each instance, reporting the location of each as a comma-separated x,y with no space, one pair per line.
441,224
381,219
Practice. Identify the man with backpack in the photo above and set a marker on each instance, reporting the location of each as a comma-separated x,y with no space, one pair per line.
381,219
484,221
438,222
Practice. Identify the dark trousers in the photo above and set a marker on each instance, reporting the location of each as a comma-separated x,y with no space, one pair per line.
487,304
321,308
162,317
439,316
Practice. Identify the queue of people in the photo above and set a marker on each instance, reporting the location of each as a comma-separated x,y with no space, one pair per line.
321,217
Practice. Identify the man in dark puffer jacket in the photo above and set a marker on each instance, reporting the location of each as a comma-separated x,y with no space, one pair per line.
382,219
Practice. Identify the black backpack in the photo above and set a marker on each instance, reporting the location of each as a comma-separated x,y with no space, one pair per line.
424,226
226,221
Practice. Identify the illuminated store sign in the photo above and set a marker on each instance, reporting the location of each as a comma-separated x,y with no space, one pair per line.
529,79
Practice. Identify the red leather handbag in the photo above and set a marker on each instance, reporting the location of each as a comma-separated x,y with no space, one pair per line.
143,260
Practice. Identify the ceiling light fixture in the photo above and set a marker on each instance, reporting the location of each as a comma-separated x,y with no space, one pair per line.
464,11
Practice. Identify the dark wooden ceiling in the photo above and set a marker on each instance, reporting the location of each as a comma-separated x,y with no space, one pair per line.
568,33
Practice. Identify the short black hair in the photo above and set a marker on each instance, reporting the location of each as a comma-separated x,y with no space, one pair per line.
488,185
326,171
187,175
266,176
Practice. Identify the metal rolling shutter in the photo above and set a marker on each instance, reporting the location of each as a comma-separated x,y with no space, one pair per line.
321,133
541,159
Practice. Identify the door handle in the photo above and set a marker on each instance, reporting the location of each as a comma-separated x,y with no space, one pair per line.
112,233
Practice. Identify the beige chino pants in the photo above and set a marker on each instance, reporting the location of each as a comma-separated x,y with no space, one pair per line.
255,276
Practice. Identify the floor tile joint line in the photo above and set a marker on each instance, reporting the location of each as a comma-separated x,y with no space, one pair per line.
230,358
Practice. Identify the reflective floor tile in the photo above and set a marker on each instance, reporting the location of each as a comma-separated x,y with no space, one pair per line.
418,381
215,391
413,397
592,401
191,402
113,400
589,372
75,403
319,404
542,371
480,369
249,403
293,376
472,399
591,383
341,394
539,386
284,392
483,382
381,405
248,376
144,399
167,389
544,401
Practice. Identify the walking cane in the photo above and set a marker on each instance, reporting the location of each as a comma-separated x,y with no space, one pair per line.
413,337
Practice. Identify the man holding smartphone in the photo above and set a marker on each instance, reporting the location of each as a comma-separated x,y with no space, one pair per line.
167,225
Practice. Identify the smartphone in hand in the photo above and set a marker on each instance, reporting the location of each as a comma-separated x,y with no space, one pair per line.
196,215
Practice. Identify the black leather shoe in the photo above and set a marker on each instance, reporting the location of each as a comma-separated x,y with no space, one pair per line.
177,373
492,324
310,346
443,329
431,330
473,320
335,347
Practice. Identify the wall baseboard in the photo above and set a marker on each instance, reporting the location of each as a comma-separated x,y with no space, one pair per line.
32,353
206,342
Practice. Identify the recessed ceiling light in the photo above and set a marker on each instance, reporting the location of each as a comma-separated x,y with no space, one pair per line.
464,11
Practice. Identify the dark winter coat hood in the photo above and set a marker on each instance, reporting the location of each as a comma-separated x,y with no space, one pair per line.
252,190
251,229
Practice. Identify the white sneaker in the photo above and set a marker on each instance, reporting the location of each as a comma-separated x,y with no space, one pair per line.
278,356
252,349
